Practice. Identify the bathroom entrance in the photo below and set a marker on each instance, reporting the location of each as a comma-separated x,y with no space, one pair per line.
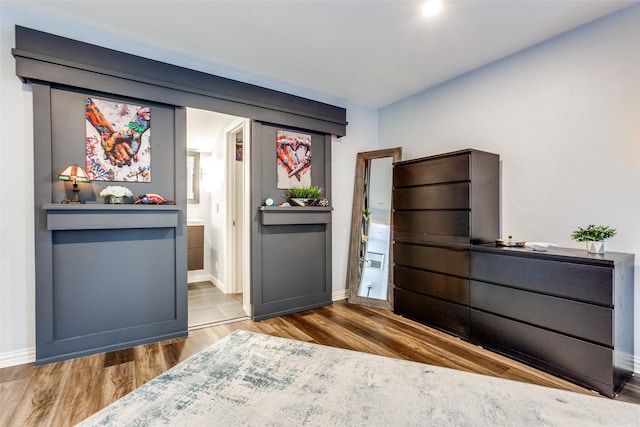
217,218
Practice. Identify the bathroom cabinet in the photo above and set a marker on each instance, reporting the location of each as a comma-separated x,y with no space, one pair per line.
195,247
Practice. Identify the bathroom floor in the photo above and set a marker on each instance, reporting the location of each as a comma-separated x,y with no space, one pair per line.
208,304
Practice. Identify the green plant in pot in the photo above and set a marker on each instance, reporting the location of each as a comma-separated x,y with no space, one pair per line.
304,196
594,236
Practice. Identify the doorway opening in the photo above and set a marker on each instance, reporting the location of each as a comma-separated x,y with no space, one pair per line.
217,218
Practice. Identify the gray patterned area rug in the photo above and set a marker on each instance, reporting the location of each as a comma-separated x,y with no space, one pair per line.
259,380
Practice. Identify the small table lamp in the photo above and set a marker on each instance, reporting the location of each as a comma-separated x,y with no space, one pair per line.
74,174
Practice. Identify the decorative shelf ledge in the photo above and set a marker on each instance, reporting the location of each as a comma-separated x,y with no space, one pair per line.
105,216
277,215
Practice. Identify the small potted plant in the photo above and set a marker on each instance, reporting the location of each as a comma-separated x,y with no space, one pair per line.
304,196
115,194
594,235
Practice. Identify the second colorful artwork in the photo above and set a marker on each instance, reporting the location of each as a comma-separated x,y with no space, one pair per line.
294,159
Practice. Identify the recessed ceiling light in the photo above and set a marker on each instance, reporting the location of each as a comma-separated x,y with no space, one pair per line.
432,7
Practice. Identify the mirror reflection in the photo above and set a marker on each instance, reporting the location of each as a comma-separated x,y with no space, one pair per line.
193,177
376,221
371,258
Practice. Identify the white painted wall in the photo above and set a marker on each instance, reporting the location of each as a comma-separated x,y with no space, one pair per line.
362,135
17,264
564,116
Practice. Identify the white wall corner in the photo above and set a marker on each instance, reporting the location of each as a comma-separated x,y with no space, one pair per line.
218,284
19,357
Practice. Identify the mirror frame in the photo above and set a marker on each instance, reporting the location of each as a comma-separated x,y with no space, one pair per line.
362,160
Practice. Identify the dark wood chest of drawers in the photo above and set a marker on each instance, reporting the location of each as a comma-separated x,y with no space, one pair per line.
565,311
441,205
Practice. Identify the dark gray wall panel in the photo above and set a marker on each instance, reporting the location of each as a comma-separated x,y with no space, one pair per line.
68,138
294,263
97,289
90,280
291,249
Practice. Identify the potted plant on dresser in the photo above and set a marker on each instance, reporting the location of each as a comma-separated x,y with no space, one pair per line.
594,236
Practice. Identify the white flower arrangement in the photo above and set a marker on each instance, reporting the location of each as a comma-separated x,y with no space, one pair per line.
116,191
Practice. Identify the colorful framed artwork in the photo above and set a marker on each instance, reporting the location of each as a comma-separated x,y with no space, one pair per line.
293,159
118,141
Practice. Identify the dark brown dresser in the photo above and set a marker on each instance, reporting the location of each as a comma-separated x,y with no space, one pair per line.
441,205
565,311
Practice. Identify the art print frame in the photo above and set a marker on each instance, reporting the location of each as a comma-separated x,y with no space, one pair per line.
118,141
293,159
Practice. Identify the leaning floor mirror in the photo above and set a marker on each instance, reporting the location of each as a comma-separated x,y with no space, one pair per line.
370,254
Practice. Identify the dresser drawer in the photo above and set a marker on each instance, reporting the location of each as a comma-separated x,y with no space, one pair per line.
432,171
582,320
570,280
432,311
586,363
441,196
436,259
437,223
451,288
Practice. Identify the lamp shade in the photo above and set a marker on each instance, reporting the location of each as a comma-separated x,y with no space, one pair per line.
74,173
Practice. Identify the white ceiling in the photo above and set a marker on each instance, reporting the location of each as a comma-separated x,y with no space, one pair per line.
366,52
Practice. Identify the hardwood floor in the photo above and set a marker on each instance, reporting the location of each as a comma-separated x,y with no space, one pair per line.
64,393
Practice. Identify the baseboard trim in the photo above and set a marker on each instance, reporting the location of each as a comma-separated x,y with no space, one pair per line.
209,278
218,284
340,295
200,278
19,357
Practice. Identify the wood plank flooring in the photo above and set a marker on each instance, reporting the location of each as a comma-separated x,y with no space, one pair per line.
64,393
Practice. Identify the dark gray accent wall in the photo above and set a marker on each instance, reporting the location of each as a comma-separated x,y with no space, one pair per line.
95,263
46,57
291,246
68,134
107,277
